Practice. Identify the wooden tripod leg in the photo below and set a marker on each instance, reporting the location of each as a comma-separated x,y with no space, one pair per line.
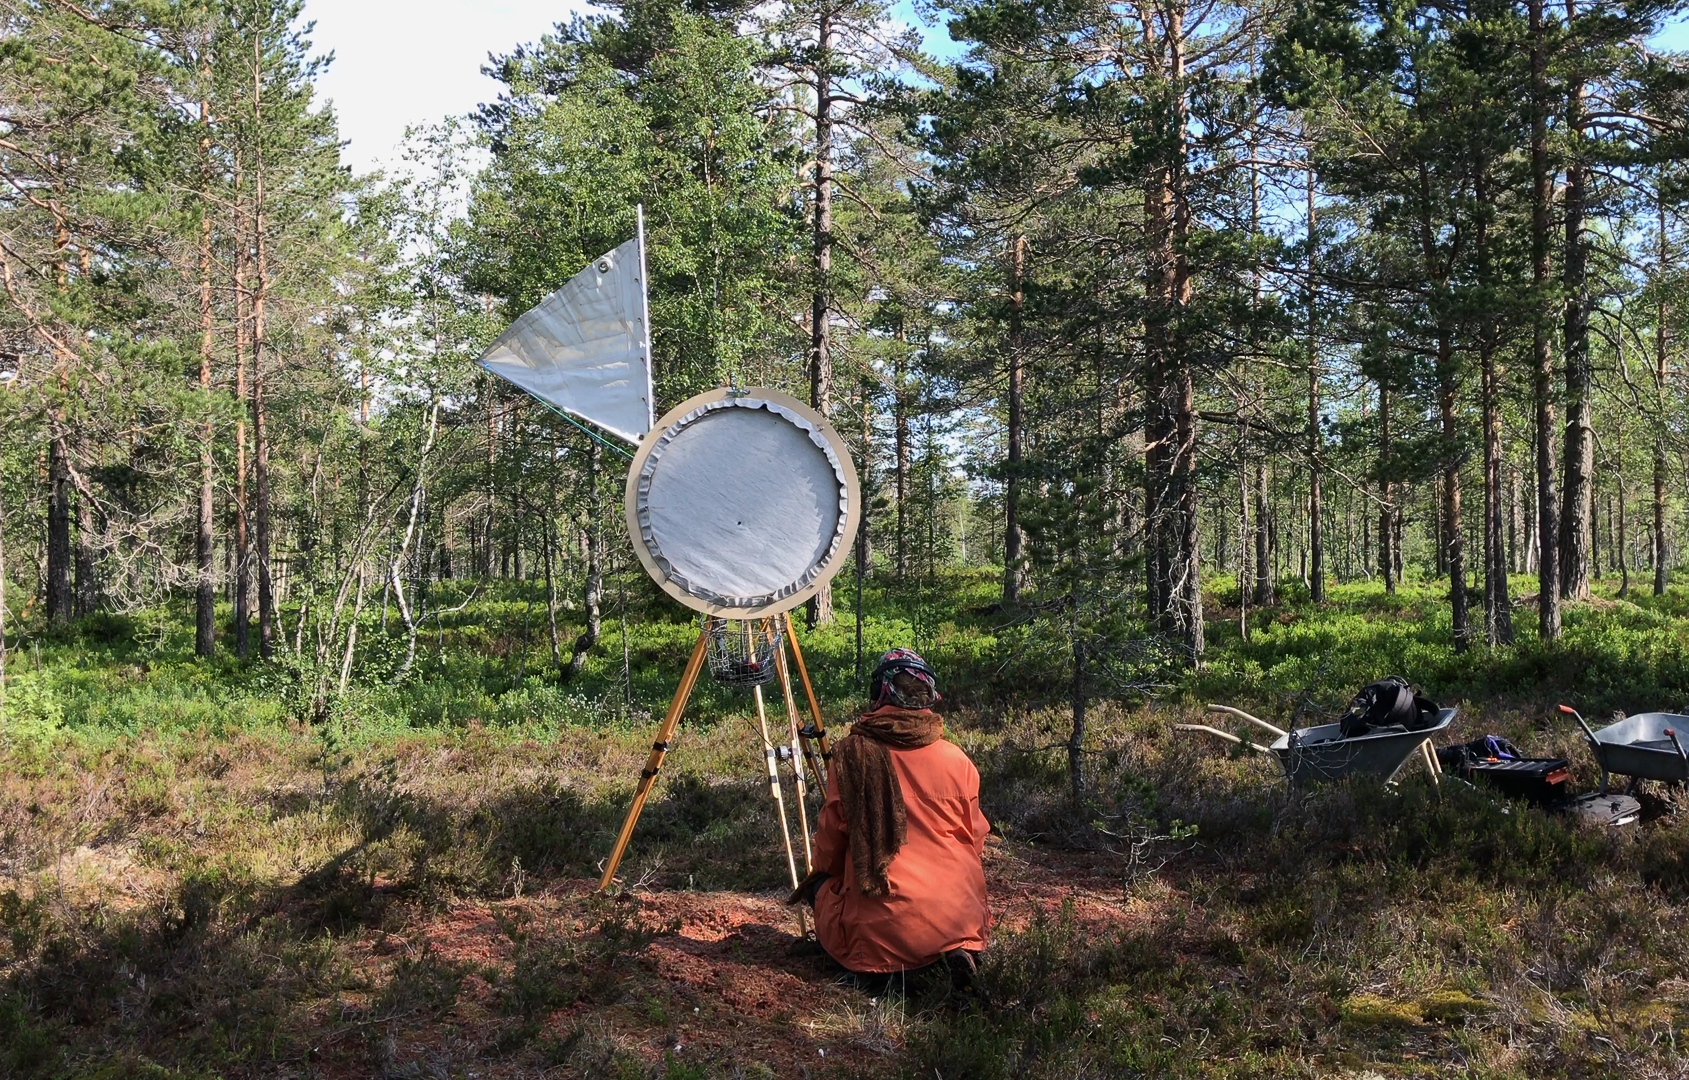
771,757
818,767
654,763
798,747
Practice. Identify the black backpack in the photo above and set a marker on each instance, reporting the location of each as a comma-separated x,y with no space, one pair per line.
1389,702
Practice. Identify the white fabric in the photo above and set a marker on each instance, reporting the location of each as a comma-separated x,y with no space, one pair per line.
585,348
741,502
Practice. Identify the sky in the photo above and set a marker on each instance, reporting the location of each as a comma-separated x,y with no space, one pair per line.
403,62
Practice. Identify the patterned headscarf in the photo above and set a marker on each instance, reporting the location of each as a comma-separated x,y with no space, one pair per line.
883,689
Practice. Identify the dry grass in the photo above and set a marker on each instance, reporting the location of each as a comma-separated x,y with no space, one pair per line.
265,906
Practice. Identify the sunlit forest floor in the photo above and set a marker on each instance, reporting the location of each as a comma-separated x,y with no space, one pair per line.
194,883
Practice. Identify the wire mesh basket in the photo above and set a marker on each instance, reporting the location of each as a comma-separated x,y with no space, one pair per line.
741,651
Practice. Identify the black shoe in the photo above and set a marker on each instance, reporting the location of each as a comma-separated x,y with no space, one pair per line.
962,969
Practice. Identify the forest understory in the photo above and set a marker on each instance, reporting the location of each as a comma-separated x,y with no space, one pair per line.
1184,353
196,886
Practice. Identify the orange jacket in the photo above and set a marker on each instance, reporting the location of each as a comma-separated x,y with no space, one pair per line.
937,897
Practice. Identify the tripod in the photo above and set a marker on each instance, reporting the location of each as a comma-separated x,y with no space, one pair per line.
807,745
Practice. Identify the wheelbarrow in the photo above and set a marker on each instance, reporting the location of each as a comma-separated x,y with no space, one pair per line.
1647,746
1321,753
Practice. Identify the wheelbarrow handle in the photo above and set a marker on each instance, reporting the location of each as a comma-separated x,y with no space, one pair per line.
1671,733
1574,714
1256,720
1217,733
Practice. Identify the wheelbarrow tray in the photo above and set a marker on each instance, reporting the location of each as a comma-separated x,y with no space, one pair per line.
1322,753
1639,746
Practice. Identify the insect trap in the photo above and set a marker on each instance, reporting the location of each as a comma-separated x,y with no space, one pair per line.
741,652
741,505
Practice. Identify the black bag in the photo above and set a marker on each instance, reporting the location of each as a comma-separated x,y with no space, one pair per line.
1462,756
1388,703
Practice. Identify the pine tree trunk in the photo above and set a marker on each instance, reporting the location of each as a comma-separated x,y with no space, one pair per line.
1595,537
1578,485
1188,536
821,306
1387,493
1514,529
1662,571
58,599
243,542
1157,565
900,441
1220,538
549,523
864,531
593,596
1189,581
1542,362
87,577
1076,737
260,419
1261,587
1621,549
490,495
261,456
1244,569
1263,538
1316,501
1400,523
1498,604
517,506
1498,607
1011,483
1347,571
865,469
205,598
1366,534
1451,542
1159,275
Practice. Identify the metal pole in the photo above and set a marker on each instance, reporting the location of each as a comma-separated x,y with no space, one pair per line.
654,763
814,707
771,758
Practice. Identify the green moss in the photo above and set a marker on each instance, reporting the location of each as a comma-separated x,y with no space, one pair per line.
1373,1011
1444,1005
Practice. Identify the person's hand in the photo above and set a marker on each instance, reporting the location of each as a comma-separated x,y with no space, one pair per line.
805,892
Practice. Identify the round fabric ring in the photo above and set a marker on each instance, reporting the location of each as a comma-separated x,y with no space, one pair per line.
742,503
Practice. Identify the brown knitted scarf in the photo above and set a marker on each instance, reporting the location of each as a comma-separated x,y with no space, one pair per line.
869,791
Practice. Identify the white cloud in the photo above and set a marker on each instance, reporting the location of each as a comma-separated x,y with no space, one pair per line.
401,62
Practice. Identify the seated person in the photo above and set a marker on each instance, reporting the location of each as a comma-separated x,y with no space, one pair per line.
898,883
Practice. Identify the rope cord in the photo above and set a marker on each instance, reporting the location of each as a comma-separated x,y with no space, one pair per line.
591,434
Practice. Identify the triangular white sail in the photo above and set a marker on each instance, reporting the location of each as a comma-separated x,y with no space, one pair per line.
587,347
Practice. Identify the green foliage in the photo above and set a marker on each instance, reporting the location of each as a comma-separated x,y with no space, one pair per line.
689,133
1623,656
27,1045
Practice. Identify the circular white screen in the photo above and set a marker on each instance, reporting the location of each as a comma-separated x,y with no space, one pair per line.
742,503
